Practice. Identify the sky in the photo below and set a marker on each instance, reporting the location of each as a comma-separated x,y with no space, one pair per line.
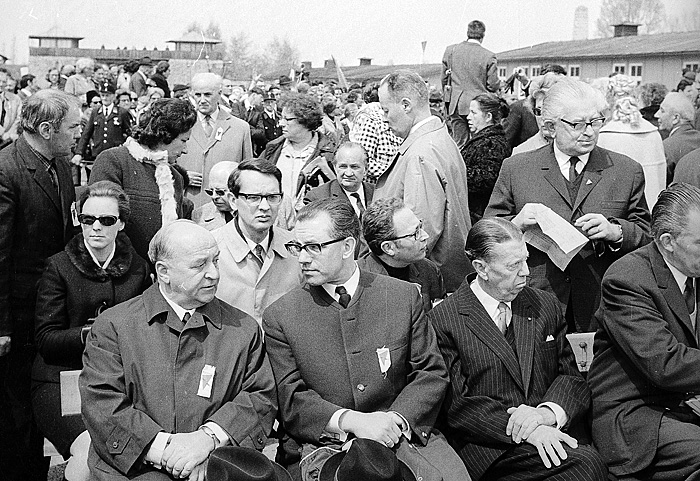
388,31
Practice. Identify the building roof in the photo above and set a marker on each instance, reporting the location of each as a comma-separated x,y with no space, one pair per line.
359,73
640,45
195,37
55,32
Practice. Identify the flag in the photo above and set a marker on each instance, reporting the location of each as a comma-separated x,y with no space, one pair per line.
341,76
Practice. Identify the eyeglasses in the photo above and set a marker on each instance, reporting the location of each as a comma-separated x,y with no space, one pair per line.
288,119
294,248
415,235
134,99
219,192
96,102
255,199
538,112
581,126
105,220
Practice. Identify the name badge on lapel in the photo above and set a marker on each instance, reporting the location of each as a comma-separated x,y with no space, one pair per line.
116,121
206,381
219,134
384,357
74,215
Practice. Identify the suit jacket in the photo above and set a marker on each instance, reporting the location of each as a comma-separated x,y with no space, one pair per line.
429,175
36,224
487,377
688,169
230,140
138,83
520,124
474,72
102,133
208,216
12,105
126,402
266,129
645,359
684,140
424,273
612,185
325,357
162,83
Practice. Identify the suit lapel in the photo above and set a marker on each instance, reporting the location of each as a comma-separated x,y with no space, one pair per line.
199,136
524,332
337,190
553,175
597,163
40,175
369,193
220,124
483,327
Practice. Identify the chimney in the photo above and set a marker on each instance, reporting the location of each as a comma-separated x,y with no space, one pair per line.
329,63
307,65
626,29
581,23
365,61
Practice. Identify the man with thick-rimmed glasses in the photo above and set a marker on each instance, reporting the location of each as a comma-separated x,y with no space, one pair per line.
254,264
599,192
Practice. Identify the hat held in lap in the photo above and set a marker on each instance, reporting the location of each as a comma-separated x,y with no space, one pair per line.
232,463
367,460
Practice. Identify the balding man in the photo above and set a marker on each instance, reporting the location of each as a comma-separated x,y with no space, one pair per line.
217,136
428,173
174,373
218,212
676,114
601,193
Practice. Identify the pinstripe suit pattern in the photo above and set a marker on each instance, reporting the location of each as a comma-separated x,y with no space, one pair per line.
487,377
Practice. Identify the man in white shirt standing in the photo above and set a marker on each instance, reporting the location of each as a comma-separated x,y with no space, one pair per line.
516,391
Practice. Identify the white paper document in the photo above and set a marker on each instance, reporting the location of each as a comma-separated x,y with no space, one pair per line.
555,236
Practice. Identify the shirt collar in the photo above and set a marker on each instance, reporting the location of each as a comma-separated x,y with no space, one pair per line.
94,258
563,159
421,123
214,115
350,285
678,276
179,311
489,303
473,40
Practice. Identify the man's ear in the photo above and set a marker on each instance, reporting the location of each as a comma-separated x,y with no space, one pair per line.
481,268
231,199
45,129
667,242
387,247
406,104
162,272
548,127
349,247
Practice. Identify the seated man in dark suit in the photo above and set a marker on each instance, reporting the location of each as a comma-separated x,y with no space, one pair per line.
645,375
351,351
398,244
599,192
515,391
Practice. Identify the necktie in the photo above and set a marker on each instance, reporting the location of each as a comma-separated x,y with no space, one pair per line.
54,177
258,255
502,317
186,317
344,296
689,295
208,129
572,168
360,207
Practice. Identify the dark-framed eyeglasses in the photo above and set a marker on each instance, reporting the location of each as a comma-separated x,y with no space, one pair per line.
219,192
294,248
255,199
96,102
537,111
581,126
105,220
416,234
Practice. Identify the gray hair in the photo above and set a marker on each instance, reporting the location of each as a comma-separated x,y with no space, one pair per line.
678,103
344,222
350,146
378,222
564,91
670,213
488,233
46,105
84,63
404,83
161,247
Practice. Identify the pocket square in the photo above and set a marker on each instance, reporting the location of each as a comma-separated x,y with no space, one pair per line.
549,338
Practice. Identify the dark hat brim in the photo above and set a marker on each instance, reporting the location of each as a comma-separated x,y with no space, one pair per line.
280,473
330,467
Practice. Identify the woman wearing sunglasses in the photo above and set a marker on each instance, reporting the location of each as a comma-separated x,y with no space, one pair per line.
97,269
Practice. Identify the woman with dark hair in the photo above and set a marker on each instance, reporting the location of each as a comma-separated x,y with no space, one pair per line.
160,77
142,167
97,269
485,150
302,154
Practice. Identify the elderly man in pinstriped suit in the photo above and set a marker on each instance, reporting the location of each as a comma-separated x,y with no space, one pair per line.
516,397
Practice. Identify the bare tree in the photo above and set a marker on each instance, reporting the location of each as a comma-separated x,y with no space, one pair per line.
685,21
212,31
282,54
650,14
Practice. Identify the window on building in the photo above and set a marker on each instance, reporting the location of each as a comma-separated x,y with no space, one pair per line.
502,72
636,71
64,43
695,67
619,68
535,70
526,71
574,71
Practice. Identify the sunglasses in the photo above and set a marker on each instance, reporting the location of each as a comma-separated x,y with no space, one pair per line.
219,192
105,220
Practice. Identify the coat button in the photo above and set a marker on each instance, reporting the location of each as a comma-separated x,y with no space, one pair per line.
568,279
361,387
115,445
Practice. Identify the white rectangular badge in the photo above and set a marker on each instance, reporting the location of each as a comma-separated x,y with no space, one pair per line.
384,359
206,381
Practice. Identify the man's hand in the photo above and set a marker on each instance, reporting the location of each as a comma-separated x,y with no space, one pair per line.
185,451
597,227
524,419
5,342
195,178
379,426
77,159
548,441
526,216
198,472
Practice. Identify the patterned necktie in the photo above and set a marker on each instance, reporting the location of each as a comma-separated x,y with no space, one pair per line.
572,168
208,128
360,207
502,317
689,295
344,296
258,254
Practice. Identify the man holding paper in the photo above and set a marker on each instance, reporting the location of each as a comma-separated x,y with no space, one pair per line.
599,192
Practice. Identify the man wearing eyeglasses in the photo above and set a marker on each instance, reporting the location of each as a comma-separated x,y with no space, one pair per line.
351,351
599,192
398,244
254,264
219,211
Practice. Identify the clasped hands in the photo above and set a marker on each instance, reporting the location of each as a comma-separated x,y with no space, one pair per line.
536,426
593,226
186,454
383,427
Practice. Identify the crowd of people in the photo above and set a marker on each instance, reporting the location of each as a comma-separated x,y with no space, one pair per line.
369,283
